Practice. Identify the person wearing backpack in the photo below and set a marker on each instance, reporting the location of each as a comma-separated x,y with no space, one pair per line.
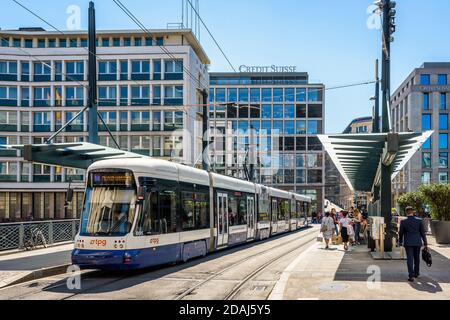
327,229
411,235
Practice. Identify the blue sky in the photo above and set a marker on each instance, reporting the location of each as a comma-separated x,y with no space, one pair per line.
328,39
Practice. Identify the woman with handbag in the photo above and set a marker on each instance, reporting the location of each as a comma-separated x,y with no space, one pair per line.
327,229
344,222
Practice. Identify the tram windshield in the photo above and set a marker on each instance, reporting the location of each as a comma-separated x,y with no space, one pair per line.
108,210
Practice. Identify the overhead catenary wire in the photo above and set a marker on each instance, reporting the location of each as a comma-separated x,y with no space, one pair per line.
212,36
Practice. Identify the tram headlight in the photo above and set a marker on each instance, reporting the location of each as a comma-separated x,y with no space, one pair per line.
126,258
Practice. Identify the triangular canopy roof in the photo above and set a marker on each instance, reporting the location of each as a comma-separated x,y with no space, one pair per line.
358,156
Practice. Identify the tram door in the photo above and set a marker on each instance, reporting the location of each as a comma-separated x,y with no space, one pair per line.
222,219
250,217
274,216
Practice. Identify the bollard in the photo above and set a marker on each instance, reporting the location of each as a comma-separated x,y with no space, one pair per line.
50,233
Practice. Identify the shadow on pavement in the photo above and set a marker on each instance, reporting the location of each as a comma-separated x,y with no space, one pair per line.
354,267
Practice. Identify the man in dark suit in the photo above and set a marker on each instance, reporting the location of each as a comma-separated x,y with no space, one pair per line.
411,235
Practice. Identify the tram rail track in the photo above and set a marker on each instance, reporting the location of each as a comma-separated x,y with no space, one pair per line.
254,273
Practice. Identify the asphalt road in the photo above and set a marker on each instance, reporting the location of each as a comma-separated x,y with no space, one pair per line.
247,272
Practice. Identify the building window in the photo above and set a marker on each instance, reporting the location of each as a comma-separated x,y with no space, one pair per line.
157,71
8,68
123,69
255,95
28,43
243,95
443,122
51,43
443,141
107,67
425,79
278,95
427,144
75,70
426,122
140,96
41,43
267,95
289,111
42,97
426,101
173,70
220,95
443,160
442,79
301,94
173,95
426,177
232,95
443,177
314,127
157,95
443,104
426,160
42,68
8,93
74,96
107,96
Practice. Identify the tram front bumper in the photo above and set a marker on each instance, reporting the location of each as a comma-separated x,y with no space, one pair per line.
111,259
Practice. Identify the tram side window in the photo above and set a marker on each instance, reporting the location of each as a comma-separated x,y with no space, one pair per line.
147,223
263,207
233,216
195,213
274,210
294,214
242,216
168,211
299,209
284,208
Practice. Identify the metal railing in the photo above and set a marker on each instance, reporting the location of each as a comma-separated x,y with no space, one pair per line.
13,235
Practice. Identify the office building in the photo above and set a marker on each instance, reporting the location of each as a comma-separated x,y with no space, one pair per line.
148,99
421,104
271,120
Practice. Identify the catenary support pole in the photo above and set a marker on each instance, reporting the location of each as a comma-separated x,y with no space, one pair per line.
92,101
205,156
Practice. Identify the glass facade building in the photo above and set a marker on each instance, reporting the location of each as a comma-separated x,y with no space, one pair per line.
141,96
270,121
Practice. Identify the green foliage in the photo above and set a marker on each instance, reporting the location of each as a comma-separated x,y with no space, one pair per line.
437,196
413,199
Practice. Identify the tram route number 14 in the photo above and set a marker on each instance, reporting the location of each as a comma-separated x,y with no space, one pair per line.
229,310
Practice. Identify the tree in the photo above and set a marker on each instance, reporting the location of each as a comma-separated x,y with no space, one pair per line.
437,196
413,199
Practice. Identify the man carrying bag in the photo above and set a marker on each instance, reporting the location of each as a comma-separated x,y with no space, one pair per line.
411,235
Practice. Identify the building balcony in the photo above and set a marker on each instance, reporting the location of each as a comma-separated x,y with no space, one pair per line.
111,127
25,78
75,128
8,153
24,128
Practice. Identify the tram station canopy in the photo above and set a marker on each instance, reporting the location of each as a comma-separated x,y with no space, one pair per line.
358,157
73,155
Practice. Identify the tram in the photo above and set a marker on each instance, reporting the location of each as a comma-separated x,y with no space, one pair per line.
139,213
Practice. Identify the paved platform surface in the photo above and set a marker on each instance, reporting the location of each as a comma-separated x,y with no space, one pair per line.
319,274
16,266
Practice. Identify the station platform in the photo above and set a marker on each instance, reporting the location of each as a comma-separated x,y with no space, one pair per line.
21,266
319,274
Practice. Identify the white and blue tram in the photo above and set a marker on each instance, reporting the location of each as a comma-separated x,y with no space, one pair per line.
145,212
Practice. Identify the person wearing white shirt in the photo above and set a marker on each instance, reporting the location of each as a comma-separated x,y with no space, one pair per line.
344,222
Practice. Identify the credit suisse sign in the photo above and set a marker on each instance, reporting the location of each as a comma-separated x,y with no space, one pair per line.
433,88
264,69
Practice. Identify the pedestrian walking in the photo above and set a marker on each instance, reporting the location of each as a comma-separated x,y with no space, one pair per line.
327,229
344,222
333,215
412,237
357,219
